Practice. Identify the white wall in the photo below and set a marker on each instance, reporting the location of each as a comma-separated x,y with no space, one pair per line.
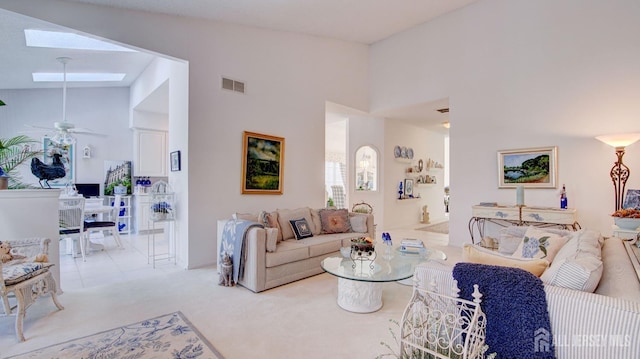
425,145
288,79
521,74
102,110
169,77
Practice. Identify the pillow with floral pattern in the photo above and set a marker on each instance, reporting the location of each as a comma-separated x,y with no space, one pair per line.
538,243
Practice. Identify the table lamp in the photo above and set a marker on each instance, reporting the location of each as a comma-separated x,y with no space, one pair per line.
619,172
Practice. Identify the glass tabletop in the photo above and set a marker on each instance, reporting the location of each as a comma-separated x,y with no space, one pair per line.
382,269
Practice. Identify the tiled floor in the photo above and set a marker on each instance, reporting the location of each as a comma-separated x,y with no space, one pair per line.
112,264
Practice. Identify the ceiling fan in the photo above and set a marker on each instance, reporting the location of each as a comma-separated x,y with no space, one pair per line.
64,129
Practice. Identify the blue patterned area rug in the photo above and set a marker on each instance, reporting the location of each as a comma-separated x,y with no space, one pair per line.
167,336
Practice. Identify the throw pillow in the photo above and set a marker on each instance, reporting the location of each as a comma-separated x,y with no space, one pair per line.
477,254
270,220
578,264
358,223
538,243
335,221
509,239
315,218
285,215
246,216
272,239
301,228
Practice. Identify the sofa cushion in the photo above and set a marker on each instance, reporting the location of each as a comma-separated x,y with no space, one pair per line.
301,229
324,244
270,220
477,254
358,223
335,221
619,278
246,216
578,264
315,218
285,215
20,272
272,239
539,243
509,239
287,252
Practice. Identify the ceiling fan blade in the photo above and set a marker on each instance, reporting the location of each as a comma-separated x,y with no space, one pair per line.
85,131
40,127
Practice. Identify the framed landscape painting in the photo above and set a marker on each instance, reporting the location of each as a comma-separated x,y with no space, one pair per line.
262,164
529,167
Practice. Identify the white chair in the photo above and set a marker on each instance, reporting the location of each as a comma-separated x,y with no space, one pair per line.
23,281
437,323
339,200
110,224
71,222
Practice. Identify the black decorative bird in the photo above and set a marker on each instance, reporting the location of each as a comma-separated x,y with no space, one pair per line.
47,172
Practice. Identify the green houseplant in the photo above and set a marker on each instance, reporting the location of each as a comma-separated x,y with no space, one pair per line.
14,152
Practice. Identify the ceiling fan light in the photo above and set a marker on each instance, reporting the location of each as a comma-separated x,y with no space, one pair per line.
63,138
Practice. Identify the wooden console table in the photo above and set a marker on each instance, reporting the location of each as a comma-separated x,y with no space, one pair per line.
521,216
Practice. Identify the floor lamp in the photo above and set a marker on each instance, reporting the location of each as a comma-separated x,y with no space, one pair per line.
619,172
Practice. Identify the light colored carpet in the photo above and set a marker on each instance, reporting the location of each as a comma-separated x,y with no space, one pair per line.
170,335
442,227
297,320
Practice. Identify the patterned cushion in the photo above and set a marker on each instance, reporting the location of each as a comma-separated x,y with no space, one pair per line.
285,215
270,220
301,228
538,243
17,273
476,254
578,265
335,221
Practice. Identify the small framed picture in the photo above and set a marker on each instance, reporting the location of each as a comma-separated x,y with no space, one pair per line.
632,199
408,187
175,161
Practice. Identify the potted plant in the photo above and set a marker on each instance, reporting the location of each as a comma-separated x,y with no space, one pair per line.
14,152
160,210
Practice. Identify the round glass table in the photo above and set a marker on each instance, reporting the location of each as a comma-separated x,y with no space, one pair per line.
360,279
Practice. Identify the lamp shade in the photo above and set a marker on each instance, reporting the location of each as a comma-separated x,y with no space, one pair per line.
619,140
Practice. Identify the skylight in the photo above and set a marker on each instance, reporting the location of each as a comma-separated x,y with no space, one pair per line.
77,77
67,40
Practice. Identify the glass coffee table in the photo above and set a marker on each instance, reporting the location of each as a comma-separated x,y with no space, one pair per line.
360,280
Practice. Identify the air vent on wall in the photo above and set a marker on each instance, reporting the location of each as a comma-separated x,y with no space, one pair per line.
232,85
443,110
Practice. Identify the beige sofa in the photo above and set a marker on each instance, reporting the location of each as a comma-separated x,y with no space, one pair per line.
601,324
291,259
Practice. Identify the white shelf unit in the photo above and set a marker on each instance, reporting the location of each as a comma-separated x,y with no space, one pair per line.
124,217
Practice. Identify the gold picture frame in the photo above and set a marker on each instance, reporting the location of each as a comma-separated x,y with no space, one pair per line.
528,167
262,164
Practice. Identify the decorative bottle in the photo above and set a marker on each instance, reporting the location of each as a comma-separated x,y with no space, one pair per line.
563,198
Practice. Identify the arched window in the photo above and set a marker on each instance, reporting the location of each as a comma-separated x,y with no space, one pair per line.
366,169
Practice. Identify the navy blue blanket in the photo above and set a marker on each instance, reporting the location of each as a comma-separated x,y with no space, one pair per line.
233,243
515,305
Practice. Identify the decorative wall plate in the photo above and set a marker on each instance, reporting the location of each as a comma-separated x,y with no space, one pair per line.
403,152
397,152
410,153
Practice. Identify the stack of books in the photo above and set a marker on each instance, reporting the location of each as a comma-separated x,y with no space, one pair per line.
408,245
